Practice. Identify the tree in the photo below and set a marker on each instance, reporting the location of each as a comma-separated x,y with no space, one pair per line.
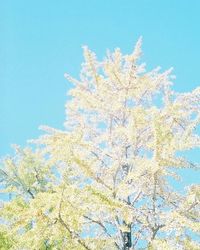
109,172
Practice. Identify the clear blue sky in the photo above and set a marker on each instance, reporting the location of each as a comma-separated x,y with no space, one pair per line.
40,40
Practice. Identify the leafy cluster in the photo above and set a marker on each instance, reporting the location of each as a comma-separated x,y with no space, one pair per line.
110,169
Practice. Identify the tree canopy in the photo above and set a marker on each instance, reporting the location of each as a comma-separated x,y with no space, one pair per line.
110,170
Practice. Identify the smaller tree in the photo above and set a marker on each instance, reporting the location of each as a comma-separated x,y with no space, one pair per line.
108,173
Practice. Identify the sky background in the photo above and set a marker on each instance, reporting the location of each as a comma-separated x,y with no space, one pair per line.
41,40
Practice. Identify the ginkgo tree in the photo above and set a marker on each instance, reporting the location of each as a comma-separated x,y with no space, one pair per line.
109,172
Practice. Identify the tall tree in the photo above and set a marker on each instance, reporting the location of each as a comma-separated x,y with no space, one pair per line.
109,173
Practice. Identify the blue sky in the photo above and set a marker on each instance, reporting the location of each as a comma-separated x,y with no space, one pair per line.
41,40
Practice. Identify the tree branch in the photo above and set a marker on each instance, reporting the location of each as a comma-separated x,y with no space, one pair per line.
71,233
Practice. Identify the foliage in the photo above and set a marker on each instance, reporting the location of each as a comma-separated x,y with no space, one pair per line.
126,134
